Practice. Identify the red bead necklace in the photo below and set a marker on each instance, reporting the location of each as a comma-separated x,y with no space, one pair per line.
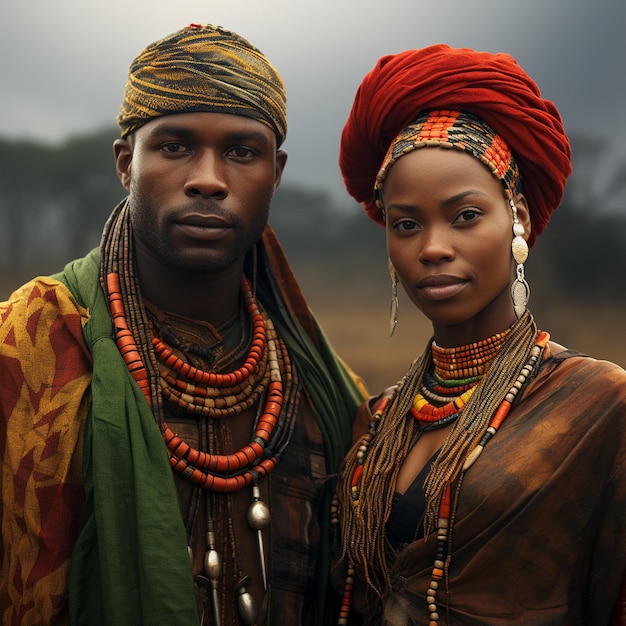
203,392
212,379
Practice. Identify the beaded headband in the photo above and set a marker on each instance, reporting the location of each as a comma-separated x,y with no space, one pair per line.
460,130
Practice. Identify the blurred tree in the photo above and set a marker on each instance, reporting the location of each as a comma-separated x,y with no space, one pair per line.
54,199
24,181
584,248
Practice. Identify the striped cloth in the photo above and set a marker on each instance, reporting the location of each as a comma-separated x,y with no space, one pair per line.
462,131
203,68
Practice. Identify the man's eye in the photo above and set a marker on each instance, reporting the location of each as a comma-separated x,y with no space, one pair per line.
173,147
241,152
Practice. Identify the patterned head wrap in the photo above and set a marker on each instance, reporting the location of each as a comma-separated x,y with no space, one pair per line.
203,68
460,130
491,86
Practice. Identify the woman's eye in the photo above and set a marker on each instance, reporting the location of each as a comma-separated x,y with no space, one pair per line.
405,225
468,215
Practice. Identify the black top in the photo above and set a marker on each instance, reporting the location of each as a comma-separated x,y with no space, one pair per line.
407,511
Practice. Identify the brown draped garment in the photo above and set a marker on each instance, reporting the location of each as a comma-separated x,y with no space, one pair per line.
539,535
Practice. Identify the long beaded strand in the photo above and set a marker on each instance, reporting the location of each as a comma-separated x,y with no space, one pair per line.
442,559
124,337
348,587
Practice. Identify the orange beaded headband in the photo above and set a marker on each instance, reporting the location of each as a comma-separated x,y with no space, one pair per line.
461,130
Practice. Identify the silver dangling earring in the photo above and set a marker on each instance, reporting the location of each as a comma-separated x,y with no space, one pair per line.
520,290
393,316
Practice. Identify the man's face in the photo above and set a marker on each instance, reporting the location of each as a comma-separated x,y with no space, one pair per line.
200,188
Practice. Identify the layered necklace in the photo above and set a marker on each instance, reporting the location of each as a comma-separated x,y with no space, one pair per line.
472,388
448,386
267,369
266,378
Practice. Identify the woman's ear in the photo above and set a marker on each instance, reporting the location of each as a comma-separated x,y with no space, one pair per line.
123,151
523,214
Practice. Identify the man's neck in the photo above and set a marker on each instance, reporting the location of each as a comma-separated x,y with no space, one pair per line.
199,296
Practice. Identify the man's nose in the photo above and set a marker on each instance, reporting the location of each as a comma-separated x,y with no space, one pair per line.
207,177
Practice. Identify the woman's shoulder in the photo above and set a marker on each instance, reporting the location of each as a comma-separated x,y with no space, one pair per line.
560,355
574,370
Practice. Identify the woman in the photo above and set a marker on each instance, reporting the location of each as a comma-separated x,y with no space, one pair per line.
489,486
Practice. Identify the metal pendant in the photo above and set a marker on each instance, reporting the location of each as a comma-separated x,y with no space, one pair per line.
248,610
259,518
213,570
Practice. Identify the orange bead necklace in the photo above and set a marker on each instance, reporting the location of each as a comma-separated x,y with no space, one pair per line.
217,395
445,517
455,374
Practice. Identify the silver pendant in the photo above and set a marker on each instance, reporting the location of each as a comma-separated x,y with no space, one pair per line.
248,610
213,570
259,518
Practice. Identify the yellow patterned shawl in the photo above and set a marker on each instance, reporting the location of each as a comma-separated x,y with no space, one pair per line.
43,407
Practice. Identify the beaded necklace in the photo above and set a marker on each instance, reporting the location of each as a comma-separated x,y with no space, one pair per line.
267,369
201,392
355,543
444,519
449,386
469,360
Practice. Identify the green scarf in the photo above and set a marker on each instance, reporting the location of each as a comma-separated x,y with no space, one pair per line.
130,564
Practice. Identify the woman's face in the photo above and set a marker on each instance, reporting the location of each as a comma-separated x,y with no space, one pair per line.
449,233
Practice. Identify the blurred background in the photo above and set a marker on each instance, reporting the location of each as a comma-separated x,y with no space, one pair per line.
63,67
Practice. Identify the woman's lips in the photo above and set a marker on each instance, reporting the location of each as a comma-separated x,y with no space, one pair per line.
441,287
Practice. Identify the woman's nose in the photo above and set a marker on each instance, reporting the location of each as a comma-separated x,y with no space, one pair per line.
436,246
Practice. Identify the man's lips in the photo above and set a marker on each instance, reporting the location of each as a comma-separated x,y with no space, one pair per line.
440,287
206,227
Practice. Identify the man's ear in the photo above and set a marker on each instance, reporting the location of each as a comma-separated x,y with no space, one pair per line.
523,213
123,151
281,160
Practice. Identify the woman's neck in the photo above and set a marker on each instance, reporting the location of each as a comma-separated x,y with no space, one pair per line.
469,360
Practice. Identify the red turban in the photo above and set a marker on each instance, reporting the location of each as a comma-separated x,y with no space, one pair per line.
492,86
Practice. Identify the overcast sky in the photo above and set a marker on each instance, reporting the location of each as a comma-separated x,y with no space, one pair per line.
63,63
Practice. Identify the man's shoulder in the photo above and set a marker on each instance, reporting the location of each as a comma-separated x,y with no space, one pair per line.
42,312
41,293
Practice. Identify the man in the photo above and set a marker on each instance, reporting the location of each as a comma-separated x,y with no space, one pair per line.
169,399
